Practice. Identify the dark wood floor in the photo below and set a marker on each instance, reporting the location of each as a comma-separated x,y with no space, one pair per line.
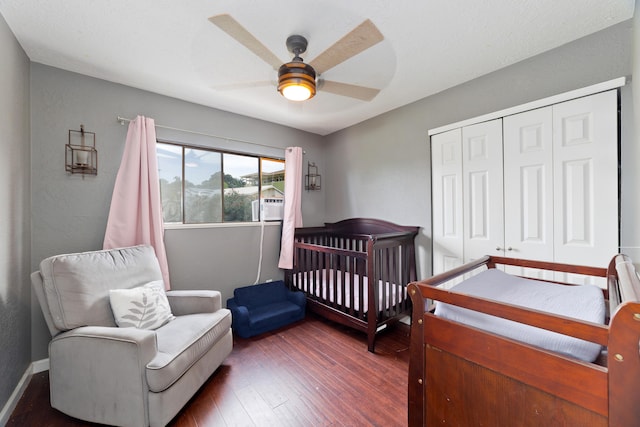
315,373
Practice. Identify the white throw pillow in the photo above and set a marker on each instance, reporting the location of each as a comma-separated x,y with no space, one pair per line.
144,307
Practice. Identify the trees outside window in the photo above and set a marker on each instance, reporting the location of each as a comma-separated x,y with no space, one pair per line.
200,186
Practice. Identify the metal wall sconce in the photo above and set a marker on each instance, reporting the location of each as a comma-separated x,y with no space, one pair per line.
312,179
81,155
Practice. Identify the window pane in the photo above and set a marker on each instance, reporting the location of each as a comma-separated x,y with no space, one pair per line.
203,182
170,174
272,178
240,186
272,192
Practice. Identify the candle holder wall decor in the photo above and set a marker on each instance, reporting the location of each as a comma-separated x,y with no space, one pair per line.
81,155
313,178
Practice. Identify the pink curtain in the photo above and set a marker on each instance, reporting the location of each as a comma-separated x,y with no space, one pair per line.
292,204
135,216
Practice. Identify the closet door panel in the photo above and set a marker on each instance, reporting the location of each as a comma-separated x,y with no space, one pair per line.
483,189
446,161
542,184
586,176
528,184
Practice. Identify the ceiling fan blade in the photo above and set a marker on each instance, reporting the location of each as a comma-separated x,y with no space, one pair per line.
244,85
358,40
352,91
232,27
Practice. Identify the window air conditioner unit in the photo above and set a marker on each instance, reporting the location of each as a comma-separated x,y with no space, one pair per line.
267,209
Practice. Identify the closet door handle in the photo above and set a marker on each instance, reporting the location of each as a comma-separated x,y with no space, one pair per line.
509,248
498,248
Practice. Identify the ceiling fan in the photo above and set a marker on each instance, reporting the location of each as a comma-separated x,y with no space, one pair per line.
297,74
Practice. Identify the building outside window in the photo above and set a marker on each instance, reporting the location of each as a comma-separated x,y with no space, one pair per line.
204,186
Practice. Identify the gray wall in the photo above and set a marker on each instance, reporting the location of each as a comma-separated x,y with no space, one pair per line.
70,212
15,231
381,167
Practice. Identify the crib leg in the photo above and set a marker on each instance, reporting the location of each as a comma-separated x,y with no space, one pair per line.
371,340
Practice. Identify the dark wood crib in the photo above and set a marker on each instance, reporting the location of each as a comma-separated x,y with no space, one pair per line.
461,375
355,272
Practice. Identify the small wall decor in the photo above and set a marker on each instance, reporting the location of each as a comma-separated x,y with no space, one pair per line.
312,179
81,155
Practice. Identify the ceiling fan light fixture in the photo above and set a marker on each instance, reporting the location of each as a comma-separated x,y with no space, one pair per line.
297,80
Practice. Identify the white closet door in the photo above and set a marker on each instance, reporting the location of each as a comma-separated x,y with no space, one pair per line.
483,190
528,185
586,179
446,163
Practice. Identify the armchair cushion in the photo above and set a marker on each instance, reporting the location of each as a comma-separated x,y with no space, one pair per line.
76,286
183,341
144,307
260,295
273,314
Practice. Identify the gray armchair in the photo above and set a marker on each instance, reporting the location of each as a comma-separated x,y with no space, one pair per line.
103,373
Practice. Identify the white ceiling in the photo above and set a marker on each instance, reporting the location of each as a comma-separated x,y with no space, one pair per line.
169,46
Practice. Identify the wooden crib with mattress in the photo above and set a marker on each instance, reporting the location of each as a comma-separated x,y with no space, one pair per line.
336,265
464,370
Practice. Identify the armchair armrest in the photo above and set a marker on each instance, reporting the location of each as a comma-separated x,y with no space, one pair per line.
91,365
297,297
239,314
191,302
100,339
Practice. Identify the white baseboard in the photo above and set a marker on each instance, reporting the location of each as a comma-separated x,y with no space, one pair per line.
34,368
40,366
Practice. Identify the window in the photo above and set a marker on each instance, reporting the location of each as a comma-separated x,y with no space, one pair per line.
203,186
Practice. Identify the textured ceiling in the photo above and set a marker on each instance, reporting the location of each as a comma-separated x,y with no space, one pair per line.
169,47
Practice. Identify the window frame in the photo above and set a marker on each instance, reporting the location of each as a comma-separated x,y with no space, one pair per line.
185,146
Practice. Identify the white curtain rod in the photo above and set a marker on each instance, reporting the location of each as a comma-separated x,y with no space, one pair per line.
122,120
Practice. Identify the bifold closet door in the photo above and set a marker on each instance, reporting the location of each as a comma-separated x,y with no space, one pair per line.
482,173
528,184
586,179
446,185
541,184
